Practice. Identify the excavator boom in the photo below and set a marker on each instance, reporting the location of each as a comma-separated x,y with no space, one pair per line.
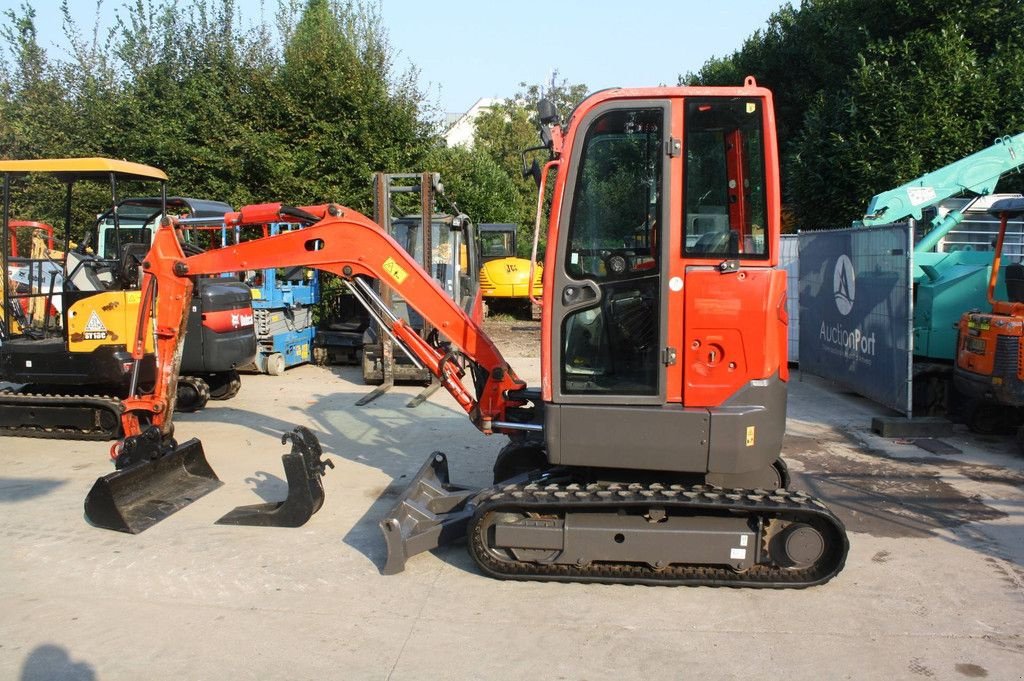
351,246
978,173
153,470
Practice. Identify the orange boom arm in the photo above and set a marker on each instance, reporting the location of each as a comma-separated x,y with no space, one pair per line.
345,243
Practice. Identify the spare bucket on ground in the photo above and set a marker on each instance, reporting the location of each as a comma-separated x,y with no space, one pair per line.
155,479
304,466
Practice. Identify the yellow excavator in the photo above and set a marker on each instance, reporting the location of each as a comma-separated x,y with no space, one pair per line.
66,330
504,277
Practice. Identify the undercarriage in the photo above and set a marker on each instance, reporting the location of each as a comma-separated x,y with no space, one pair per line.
563,524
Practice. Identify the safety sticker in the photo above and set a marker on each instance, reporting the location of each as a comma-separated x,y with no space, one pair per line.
920,195
751,435
737,554
94,329
395,270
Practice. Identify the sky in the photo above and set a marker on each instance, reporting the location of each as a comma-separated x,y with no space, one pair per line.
468,49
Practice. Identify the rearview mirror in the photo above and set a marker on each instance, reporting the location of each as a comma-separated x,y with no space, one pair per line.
546,112
534,172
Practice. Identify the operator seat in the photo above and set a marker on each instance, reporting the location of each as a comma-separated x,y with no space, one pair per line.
717,242
84,275
132,256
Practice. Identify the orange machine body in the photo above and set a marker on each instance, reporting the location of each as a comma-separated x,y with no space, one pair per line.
730,329
990,355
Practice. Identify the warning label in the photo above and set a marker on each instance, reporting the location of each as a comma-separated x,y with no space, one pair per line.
94,329
395,270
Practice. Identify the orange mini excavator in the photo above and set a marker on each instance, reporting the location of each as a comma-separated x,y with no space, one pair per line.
989,370
650,451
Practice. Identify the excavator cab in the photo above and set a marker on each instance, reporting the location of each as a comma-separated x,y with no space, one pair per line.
665,313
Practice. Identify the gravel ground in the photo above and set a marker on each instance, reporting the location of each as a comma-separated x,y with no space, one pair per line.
514,337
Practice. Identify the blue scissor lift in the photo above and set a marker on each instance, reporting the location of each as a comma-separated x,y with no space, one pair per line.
282,302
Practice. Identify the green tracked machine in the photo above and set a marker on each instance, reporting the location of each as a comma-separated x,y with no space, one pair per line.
952,258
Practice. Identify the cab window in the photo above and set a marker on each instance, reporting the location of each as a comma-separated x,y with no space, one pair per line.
724,185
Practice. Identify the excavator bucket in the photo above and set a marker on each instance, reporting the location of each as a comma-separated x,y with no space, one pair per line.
304,468
155,480
431,512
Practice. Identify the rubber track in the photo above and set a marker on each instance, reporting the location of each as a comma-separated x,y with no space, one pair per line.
96,402
609,497
202,389
234,384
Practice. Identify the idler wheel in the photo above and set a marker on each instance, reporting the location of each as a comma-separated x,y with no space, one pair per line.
108,421
799,545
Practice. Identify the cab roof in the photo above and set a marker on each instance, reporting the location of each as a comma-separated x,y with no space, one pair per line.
70,169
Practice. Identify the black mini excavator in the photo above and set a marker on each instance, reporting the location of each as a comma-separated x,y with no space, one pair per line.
650,453
68,317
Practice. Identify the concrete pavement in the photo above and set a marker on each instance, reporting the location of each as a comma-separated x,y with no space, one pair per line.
933,587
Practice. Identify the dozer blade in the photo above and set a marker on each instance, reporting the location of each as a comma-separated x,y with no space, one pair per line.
304,467
136,497
431,512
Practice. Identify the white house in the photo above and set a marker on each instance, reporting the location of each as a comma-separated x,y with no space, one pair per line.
460,133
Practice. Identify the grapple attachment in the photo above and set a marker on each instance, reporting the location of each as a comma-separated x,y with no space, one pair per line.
304,466
155,478
431,512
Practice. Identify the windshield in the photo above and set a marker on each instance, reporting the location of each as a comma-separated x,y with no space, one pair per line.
617,200
137,224
497,244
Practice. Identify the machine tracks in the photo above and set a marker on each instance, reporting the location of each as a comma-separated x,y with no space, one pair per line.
702,521
60,416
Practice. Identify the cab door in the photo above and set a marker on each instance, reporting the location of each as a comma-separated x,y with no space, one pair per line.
609,334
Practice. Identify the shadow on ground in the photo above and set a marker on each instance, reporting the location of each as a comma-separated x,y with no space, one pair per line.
869,490
385,434
50,662
14,490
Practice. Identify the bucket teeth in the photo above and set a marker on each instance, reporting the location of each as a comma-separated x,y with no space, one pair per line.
304,467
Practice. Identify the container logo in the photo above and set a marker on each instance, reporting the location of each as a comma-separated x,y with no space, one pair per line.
844,285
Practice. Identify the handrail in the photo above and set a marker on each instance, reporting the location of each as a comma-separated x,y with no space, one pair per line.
536,225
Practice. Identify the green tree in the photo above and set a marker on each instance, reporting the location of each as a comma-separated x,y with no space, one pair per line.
347,113
871,93
38,118
510,127
301,112
476,184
